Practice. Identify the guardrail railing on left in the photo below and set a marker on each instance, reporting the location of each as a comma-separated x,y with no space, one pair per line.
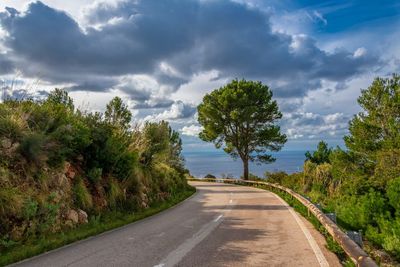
353,251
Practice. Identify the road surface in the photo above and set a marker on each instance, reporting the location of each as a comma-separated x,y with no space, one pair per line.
221,225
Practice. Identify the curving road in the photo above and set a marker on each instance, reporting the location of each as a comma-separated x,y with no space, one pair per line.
221,225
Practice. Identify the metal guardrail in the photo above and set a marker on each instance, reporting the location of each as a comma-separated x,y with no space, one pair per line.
353,251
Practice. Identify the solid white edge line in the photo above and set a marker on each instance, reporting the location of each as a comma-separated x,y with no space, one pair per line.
317,251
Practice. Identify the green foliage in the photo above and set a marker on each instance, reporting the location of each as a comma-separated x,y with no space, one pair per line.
321,155
30,209
378,126
361,184
359,211
33,147
95,174
9,128
54,159
241,117
11,203
115,193
393,194
97,224
60,97
118,114
82,196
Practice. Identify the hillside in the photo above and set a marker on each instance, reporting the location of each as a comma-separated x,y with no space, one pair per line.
61,167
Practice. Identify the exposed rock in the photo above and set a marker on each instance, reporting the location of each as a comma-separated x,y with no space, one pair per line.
82,216
61,180
73,216
71,173
69,224
66,166
144,205
69,170
6,143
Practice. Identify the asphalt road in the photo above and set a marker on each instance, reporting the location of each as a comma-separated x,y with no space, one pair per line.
221,225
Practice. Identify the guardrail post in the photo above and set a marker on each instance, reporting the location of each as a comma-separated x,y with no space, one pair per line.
356,237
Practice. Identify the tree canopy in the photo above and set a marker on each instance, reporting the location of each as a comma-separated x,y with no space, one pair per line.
241,117
378,125
321,155
118,114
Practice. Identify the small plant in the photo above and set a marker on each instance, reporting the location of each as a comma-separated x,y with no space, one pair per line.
83,198
95,174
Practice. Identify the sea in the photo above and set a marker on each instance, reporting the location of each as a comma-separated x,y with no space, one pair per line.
219,164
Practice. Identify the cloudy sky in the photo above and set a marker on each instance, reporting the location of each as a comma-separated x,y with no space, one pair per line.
161,57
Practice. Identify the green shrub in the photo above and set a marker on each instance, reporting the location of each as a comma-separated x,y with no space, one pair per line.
95,175
33,148
360,211
110,165
114,194
9,128
82,196
11,201
393,194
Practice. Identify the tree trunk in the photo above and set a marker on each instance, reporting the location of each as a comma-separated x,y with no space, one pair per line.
245,169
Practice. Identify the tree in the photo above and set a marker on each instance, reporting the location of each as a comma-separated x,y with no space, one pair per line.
321,155
241,117
118,114
378,126
60,97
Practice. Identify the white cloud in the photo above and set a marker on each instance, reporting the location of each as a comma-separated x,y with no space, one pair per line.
361,51
320,17
192,130
199,85
178,110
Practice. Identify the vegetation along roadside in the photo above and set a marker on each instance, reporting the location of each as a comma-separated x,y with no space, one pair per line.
66,174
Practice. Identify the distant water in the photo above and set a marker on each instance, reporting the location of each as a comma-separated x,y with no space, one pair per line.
217,163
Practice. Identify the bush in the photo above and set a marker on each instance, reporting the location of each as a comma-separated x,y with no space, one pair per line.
393,194
115,194
95,175
54,157
32,148
82,196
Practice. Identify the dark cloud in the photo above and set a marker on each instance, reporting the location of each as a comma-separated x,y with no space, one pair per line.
20,94
6,65
93,85
307,125
134,37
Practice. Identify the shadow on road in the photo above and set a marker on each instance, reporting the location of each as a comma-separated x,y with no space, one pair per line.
221,248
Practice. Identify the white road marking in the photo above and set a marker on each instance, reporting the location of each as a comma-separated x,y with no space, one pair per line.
317,251
217,219
180,252
160,265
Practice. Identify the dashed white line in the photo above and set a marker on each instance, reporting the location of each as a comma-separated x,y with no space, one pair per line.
217,219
